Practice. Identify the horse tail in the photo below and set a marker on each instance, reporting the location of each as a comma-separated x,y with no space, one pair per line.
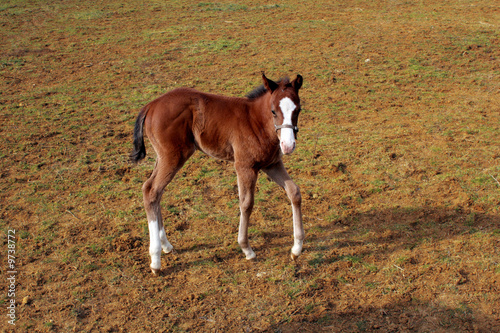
139,151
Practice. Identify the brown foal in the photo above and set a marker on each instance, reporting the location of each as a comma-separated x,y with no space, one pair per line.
252,132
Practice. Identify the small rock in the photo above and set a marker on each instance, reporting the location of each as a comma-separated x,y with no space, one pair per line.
26,300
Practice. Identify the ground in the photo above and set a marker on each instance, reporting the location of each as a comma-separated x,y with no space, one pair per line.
397,158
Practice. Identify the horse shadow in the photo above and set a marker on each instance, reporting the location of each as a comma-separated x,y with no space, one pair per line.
402,228
360,235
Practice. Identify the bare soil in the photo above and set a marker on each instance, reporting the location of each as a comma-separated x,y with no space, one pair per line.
398,162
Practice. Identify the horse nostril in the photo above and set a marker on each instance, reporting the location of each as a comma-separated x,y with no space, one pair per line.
286,149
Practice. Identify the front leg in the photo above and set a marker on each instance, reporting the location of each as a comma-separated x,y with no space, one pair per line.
247,178
279,174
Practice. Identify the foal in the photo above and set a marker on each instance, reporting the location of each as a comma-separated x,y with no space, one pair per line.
252,132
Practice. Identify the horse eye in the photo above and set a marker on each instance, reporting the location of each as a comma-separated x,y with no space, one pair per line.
274,112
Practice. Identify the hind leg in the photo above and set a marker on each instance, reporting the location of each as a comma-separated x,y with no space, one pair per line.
152,190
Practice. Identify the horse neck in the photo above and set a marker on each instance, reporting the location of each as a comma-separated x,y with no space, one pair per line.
261,107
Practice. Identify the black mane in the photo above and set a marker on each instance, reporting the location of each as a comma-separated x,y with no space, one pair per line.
261,90
257,92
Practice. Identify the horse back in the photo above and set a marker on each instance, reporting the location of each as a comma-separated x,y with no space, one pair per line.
217,125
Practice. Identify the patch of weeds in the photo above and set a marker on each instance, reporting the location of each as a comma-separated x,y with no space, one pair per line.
222,45
269,7
174,210
470,219
317,261
145,230
362,325
464,309
371,267
117,264
310,307
292,293
228,280
12,63
446,258
48,225
256,232
401,260
89,267
83,296
89,15
202,215
48,261
295,288
49,324
71,255
220,7
95,250
353,259
208,263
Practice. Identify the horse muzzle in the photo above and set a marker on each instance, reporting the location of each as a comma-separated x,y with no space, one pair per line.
287,137
287,148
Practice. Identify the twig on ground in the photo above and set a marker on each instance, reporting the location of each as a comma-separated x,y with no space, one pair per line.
495,180
398,267
72,214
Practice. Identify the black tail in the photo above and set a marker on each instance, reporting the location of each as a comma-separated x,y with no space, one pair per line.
139,151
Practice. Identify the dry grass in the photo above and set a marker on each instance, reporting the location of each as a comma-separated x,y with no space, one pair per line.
398,163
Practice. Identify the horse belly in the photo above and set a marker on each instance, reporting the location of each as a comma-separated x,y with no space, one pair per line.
220,150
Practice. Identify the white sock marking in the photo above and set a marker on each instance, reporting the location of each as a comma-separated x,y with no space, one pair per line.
154,245
165,244
298,232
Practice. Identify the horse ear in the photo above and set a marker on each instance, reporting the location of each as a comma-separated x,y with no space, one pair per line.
269,84
297,83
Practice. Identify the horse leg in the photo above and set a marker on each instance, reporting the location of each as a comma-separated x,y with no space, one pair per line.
279,174
247,178
165,244
163,173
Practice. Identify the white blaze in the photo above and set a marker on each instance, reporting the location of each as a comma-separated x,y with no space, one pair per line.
287,137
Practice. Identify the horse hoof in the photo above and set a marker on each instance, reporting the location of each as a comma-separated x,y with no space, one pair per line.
249,254
156,272
171,250
294,257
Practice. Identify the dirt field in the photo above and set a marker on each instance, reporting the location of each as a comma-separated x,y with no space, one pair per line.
398,160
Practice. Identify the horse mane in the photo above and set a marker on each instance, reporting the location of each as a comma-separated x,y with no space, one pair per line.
261,90
257,92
